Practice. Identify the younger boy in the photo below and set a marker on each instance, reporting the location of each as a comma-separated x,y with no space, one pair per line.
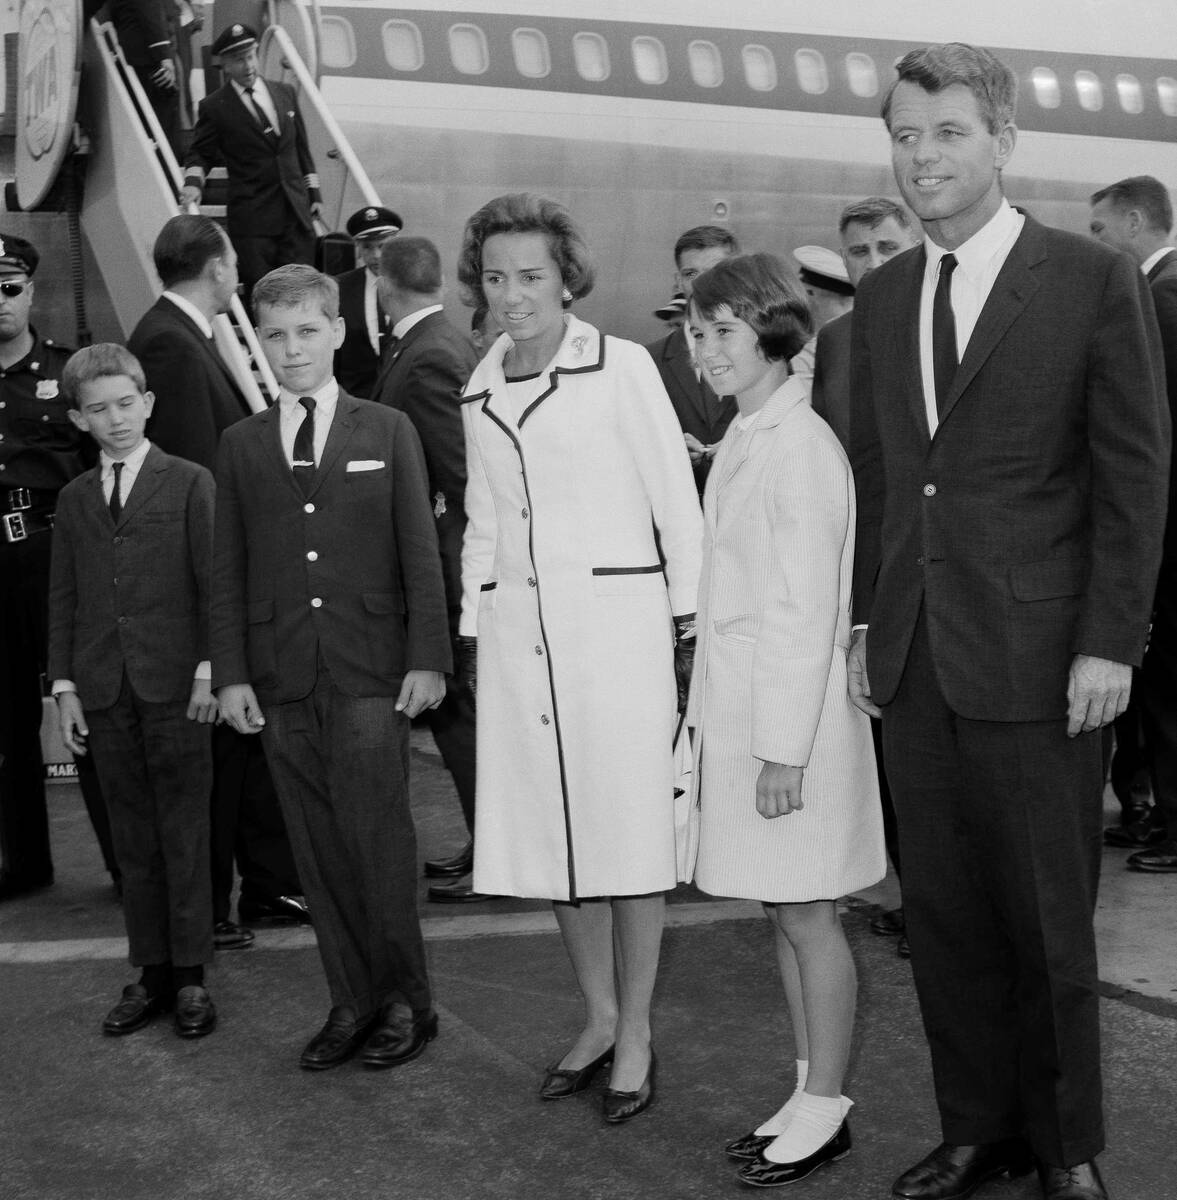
128,635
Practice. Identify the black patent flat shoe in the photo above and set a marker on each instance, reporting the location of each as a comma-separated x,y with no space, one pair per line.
749,1147
763,1173
560,1082
621,1106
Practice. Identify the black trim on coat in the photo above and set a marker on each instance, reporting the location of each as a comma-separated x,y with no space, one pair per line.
656,569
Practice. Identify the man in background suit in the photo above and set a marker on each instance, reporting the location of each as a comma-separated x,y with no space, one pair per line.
146,30
703,416
1136,216
366,326
427,367
1010,452
197,399
253,128
329,633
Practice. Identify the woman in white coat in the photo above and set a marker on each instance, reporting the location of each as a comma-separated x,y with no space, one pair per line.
580,561
789,799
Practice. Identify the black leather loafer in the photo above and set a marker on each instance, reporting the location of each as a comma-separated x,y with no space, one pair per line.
889,923
280,909
1160,859
336,1042
561,1082
455,893
1139,834
621,1106
955,1172
134,1010
1081,1182
196,1014
762,1173
227,935
455,867
399,1039
748,1147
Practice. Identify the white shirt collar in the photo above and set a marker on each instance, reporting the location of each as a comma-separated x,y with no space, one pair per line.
186,306
1155,258
325,398
131,463
406,323
974,256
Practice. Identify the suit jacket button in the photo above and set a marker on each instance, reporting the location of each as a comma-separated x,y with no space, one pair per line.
544,720
525,514
308,508
929,489
920,561
312,556
531,581
316,603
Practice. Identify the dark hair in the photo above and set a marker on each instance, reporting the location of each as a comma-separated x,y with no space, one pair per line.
99,361
1141,192
703,237
412,263
937,67
185,246
762,290
872,212
524,212
291,285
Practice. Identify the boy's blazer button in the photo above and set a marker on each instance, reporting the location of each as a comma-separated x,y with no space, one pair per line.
929,489
316,603
312,556
308,508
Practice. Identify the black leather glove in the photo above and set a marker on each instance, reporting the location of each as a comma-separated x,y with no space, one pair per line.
684,657
466,664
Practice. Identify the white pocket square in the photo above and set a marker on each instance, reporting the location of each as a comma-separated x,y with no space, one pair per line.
365,464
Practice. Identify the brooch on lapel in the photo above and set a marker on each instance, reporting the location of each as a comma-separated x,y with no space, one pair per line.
439,505
47,389
579,343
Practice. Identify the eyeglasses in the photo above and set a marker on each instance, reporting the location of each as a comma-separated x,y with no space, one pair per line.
12,290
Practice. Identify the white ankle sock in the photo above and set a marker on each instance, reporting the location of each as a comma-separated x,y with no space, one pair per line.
815,1120
779,1121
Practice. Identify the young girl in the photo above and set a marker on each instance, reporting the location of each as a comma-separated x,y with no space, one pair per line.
788,794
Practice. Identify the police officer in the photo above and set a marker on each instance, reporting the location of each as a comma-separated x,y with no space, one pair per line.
40,452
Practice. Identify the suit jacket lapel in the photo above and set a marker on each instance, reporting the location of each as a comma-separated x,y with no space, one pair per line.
269,430
338,436
679,359
174,313
1165,260
907,336
147,483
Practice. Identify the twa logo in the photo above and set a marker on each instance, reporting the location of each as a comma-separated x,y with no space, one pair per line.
41,80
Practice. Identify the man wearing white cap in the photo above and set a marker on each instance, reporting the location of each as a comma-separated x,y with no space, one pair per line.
830,292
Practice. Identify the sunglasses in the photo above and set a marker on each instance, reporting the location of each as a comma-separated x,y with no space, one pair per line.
12,290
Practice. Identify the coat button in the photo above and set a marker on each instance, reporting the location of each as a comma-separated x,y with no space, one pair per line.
525,514
544,719
316,602
122,620
118,541
920,561
530,581
929,489
312,556
539,650
308,508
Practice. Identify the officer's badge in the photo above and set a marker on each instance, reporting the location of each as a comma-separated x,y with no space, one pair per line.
3,252
579,343
370,215
238,30
47,389
439,505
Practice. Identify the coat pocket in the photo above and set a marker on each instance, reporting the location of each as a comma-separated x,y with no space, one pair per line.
741,628
1049,579
261,643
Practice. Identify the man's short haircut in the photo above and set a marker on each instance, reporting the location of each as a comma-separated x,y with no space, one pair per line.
937,67
525,212
291,285
185,246
872,212
762,290
412,263
704,237
1142,192
99,361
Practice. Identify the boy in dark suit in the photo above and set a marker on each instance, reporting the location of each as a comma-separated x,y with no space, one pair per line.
128,631
329,632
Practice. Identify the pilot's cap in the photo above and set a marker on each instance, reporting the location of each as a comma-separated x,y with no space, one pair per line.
824,269
372,222
234,39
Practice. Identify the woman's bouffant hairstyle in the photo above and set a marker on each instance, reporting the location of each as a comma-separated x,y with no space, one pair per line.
524,212
762,290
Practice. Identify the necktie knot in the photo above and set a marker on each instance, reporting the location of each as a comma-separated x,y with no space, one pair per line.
308,402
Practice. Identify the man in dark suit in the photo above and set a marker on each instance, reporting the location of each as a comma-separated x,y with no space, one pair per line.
146,30
1010,452
427,367
329,633
366,326
253,128
197,399
703,415
1136,216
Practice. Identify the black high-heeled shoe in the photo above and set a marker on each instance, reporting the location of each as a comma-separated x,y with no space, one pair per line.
561,1082
620,1106
762,1173
748,1147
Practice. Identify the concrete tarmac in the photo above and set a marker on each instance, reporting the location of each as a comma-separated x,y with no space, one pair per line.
231,1117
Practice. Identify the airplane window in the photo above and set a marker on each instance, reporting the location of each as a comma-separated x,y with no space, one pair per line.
468,50
811,72
1090,90
337,46
759,68
860,71
1131,95
591,54
403,50
531,53
649,60
706,64
1046,88
1167,95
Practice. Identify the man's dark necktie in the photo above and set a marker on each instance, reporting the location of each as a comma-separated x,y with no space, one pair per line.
304,446
944,357
259,115
115,503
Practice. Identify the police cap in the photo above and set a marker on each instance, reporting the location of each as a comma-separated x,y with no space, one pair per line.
824,269
17,257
